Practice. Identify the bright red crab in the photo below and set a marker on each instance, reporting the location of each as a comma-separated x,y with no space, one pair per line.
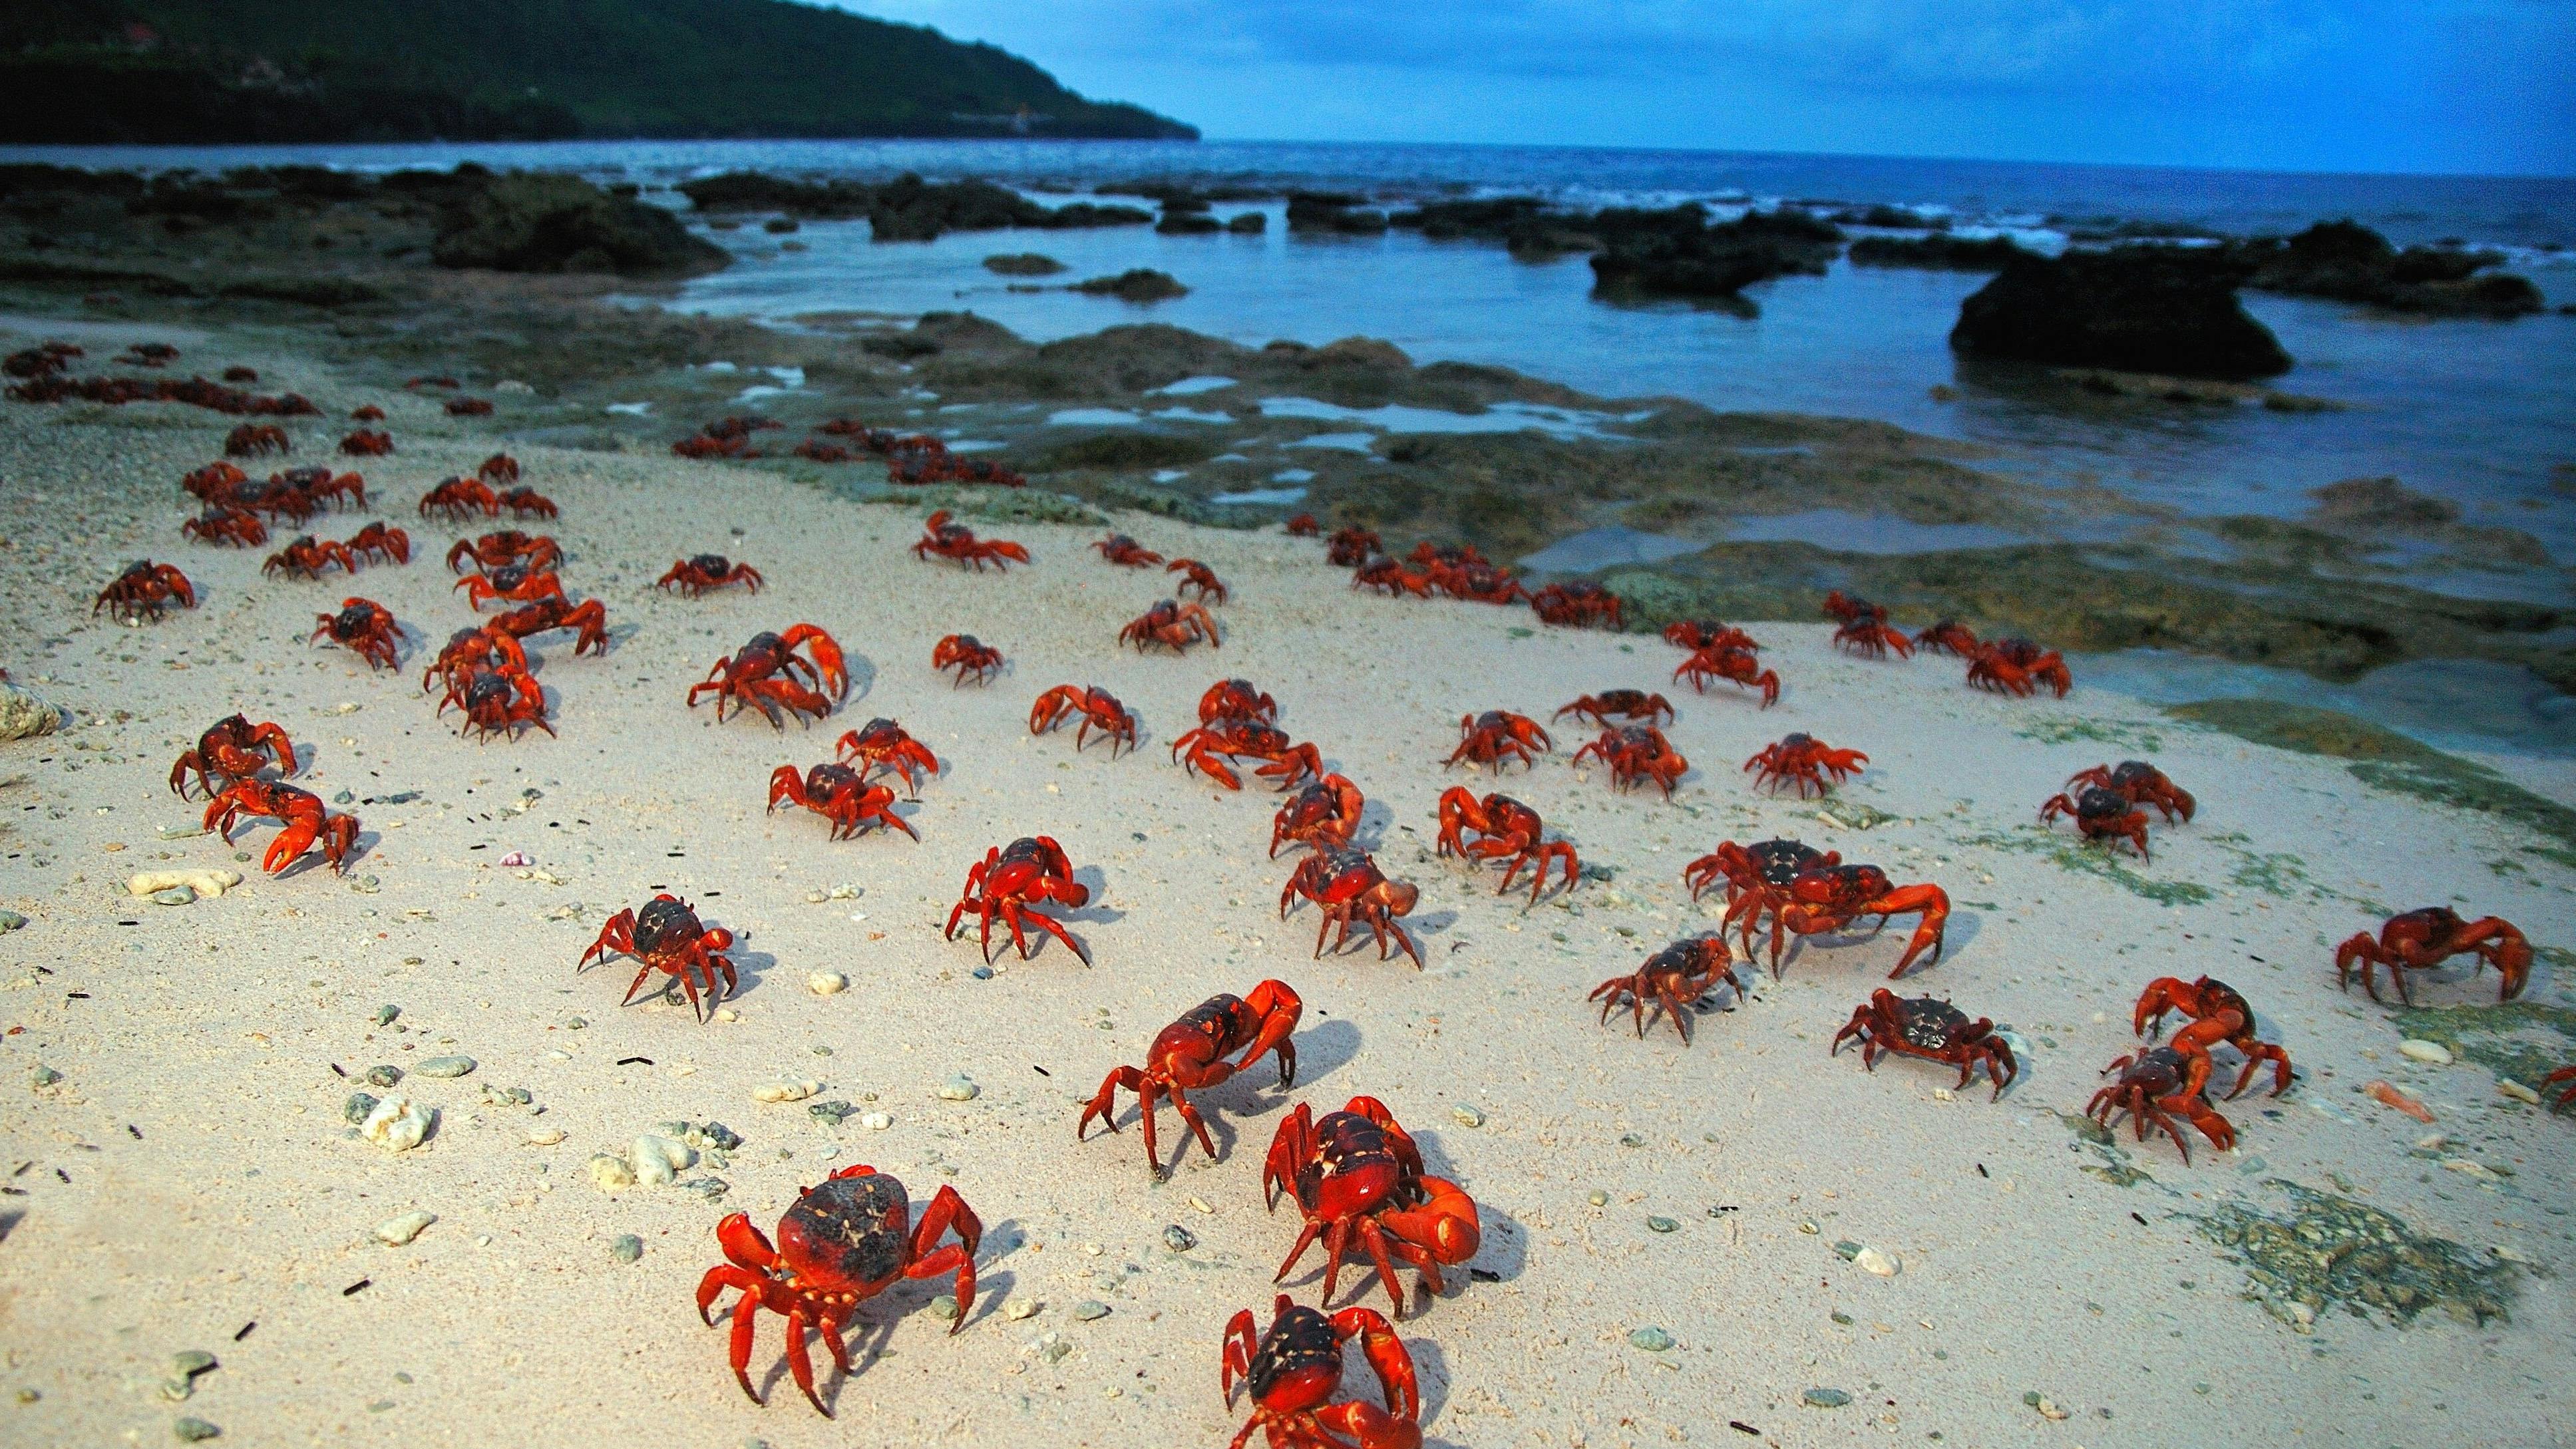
2100,814
2567,1098
969,656
308,556
1803,760
144,590
1303,525
1211,589
227,525
1350,547
366,413
1099,709
511,584
458,499
1931,1029
365,443
300,811
763,675
1118,548
1629,704
254,440
1827,898
1508,831
1734,665
1392,577
1237,699
695,575
882,744
1357,1176
499,550
2153,1084
1323,814
667,936
498,469
213,483
1948,637
2422,940
526,503
229,753
377,543
1293,1371
838,794
502,701
365,627
1695,635
1637,753
2218,1013
840,1244
1497,736
1190,1056
1174,625
955,541
1865,629
1010,881
2140,784
547,615
1757,876
2018,667
1210,745
1346,883
469,652
1673,978
1579,605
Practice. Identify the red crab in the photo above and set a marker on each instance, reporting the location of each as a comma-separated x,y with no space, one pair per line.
838,794
840,1244
1629,704
498,469
1948,637
366,413
1100,710
1695,635
1757,876
2422,940
377,543
1118,548
1237,699
1323,814
1481,583
1509,831
2140,784
364,443
299,810
253,440
1174,625
882,744
468,407
144,590
1635,753
227,525
1498,736
509,546
1934,1030
511,584
2018,667
1303,525
1189,1055
1585,605
1012,880
2567,1098
1350,547
694,576
966,654
307,557
526,503
1390,577
469,652
2100,814
1245,739
763,675
2217,1014
1827,898
239,373
666,936
2152,1084
1674,977
1803,760
1346,883
1865,629
1735,665
501,701
213,483
943,539
1357,1177
229,753
458,499
1211,589
1293,1370
364,626
545,615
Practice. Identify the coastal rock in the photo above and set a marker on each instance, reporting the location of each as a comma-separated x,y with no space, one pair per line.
1677,253
1939,251
1333,213
1022,264
552,223
2347,262
2381,503
911,209
1137,284
1248,223
1188,223
25,714
2134,309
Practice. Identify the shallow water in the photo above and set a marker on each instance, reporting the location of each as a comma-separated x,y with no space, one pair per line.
2458,704
1599,548
1848,532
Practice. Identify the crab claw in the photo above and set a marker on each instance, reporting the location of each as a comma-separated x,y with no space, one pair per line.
827,656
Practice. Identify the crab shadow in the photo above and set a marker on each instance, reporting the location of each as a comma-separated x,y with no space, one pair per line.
1959,933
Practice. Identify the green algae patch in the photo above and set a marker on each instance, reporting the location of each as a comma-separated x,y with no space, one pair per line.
2085,858
2331,1252
2513,1039
2068,729
2386,760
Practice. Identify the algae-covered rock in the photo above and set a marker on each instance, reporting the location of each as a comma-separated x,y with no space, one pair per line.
2134,309
25,714
2331,1252
538,222
1136,284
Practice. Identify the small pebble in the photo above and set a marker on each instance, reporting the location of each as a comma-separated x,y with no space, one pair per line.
944,1306
384,1076
174,896
1824,1398
1597,1198
2517,1091
187,1363
2046,1406
354,1111
826,983
398,1232
830,1114
1199,1204
11,920
1661,1225
1178,1238
1089,1309
784,1091
191,1429
1652,1340
449,1066
1885,1265
959,1088
386,1013
876,1121
659,1160
398,1124
1051,1347
983,973
2416,1049
1019,1308
1467,1116
45,1076
611,1173
1847,1250
545,1137
626,1248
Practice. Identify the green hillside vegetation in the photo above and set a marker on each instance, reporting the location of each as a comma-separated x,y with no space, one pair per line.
179,71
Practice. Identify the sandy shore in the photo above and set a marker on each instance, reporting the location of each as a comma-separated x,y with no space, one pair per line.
189,1182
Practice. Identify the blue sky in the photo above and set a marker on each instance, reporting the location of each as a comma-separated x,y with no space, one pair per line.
2363,85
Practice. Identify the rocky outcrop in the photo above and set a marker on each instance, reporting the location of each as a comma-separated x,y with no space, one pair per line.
1137,284
2348,262
1333,213
1677,253
1022,264
904,209
1525,225
2132,309
1939,251
534,222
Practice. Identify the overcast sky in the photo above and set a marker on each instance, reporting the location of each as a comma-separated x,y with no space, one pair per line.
2340,85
